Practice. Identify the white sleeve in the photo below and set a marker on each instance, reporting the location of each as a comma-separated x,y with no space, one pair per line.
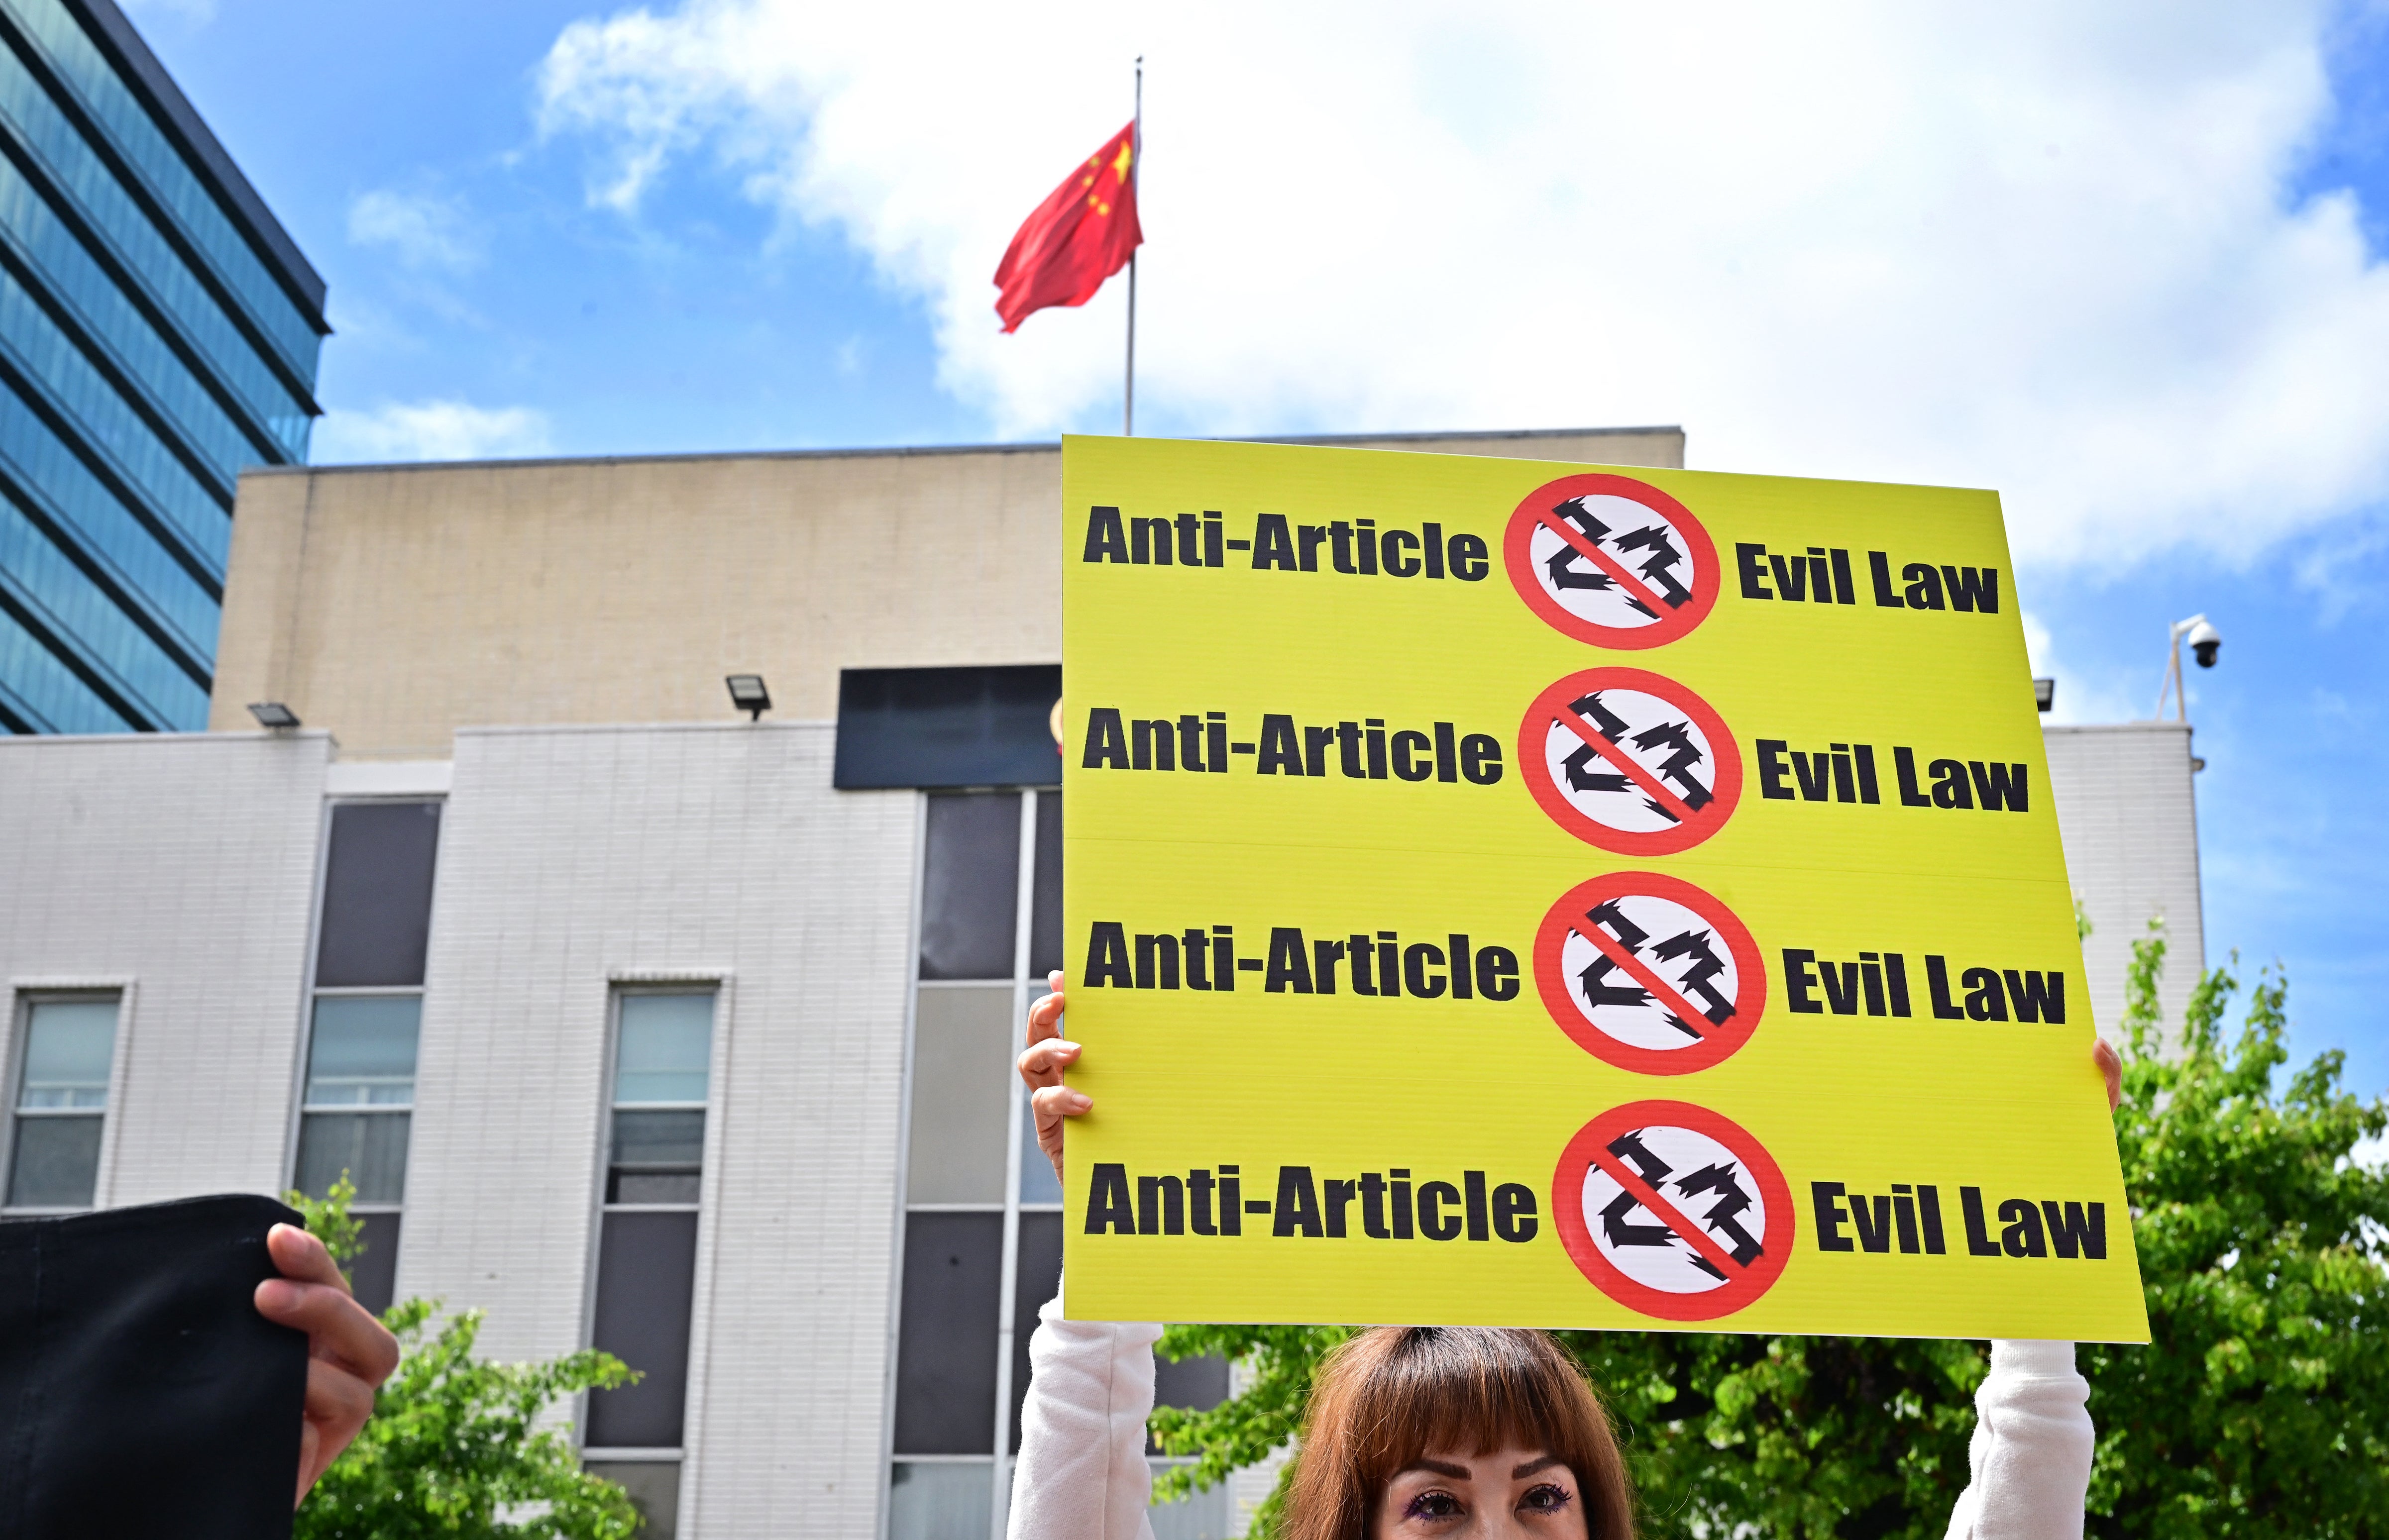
1082,1473
2031,1450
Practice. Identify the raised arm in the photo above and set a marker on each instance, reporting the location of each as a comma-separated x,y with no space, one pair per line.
1082,1474
2030,1456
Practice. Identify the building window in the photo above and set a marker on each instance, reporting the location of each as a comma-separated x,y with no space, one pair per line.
646,1240
654,1489
360,1093
983,1223
356,1103
61,1101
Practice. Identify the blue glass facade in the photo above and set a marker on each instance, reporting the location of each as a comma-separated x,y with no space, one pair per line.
159,331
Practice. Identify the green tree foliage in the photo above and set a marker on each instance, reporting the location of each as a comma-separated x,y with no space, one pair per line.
2262,1406
453,1450
329,1220
2258,1410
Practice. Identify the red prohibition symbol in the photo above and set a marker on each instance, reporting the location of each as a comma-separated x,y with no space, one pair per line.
1629,762
1673,1210
1612,561
1650,974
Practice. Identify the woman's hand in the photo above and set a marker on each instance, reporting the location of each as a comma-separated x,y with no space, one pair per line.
1050,1101
2102,1053
348,1353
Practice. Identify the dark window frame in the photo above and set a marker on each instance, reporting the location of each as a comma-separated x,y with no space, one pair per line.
715,988
373,927
376,1272
12,1087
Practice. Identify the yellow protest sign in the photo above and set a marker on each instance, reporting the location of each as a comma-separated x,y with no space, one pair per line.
1515,893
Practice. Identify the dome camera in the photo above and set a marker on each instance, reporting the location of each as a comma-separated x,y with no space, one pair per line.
2205,641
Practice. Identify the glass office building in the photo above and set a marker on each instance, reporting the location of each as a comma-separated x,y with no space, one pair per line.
159,331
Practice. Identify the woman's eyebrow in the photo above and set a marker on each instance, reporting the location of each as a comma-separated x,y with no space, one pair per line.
1523,1471
1441,1467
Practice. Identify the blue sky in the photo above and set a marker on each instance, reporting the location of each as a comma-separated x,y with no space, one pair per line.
2129,268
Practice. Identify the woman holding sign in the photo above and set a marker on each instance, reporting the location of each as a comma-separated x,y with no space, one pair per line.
1457,1433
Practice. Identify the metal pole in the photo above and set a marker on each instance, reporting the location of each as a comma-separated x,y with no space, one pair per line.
1016,1114
1136,177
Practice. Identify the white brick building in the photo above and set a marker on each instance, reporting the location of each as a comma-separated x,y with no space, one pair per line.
687,1037
2129,819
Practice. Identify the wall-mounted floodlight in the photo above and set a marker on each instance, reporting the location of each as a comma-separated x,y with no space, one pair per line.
2044,693
746,693
2205,641
273,715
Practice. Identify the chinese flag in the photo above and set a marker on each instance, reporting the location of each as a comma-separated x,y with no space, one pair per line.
1078,236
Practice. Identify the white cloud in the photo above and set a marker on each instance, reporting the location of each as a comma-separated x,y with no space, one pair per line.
2101,695
429,430
425,231
2043,246
2037,645
2343,573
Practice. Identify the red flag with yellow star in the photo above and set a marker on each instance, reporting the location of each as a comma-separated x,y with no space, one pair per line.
1078,236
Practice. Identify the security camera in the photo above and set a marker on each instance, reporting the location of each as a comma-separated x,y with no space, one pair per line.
2205,643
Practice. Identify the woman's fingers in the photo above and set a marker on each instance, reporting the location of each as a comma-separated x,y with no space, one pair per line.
337,1405
2111,1069
1052,1106
1055,1102
1048,1055
334,1396
1045,1016
1043,1063
310,1463
339,1329
301,1255
339,1332
349,1351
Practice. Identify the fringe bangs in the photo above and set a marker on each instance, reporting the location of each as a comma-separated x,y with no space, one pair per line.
1395,1394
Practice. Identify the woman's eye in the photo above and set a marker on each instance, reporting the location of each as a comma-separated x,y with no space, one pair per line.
1546,1498
1433,1505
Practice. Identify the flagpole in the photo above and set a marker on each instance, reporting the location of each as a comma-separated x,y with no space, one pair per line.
1136,175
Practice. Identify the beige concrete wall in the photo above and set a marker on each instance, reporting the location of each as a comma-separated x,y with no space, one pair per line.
393,604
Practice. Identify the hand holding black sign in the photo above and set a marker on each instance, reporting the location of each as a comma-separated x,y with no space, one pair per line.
348,1353
151,1362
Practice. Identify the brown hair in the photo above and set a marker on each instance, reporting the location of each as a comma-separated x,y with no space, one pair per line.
1393,1394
